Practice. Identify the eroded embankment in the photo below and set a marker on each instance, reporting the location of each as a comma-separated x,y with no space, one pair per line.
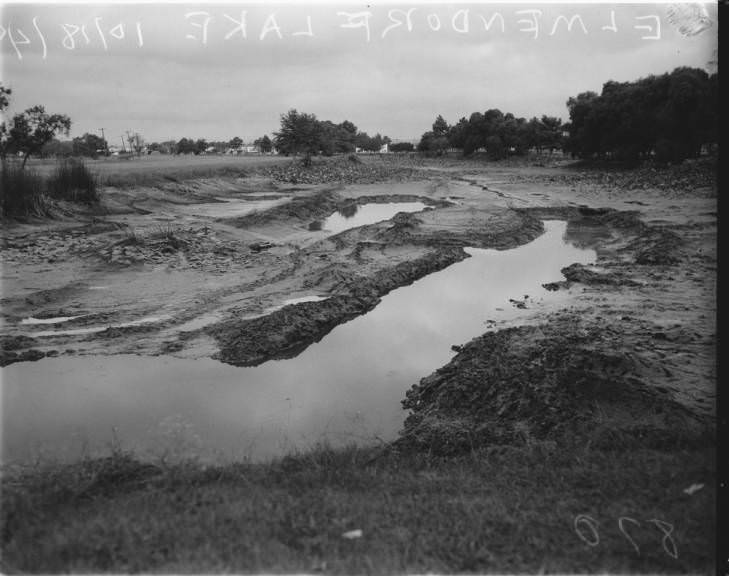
316,207
564,377
614,376
288,331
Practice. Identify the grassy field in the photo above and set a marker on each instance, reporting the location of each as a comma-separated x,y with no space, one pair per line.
149,169
530,509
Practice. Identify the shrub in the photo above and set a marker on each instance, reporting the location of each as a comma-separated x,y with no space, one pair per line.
72,181
21,193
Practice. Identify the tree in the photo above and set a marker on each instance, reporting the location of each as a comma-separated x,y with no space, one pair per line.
4,102
264,144
300,134
200,146
185,146
89,145
433,144
402,147
236,142
34,128
440,127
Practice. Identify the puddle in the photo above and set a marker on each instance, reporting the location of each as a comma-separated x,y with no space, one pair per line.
58,320
359,215
94,329
345,388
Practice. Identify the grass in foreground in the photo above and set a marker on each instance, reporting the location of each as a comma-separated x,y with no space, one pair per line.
503,510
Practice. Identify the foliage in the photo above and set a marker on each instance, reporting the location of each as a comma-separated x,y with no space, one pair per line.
186,146
498,133
32,129
300,134
72,181
305,134
236,142
402,147
670,116
57,149
89,145
264,144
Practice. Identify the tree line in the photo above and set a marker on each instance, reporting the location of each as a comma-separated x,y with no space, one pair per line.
669,117
497,133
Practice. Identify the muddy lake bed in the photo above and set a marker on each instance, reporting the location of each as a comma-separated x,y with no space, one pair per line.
346,388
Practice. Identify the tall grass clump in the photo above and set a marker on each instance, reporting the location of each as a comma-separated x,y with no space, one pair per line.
22,192
74,182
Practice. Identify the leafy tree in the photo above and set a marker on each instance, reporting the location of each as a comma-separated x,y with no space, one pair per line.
34,128
236,142
300,134
89,145
264,144
440,127
200,146
433,144
670,116
402,147
4,102
185,146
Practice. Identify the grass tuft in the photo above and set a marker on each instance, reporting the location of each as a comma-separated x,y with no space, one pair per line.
72,181
22,193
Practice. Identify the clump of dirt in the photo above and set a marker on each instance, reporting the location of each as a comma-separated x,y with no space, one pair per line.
550,382
18,349
656,246
588,275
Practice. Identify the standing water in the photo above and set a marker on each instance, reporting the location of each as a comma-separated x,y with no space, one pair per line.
345,388
356,215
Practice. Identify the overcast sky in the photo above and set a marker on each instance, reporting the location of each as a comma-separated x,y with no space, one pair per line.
219,71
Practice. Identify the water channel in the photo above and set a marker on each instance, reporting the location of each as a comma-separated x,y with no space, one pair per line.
345,388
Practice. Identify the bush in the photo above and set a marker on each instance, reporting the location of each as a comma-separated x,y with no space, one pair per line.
21,193
72,181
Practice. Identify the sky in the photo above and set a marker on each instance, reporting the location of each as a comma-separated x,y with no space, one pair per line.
216,71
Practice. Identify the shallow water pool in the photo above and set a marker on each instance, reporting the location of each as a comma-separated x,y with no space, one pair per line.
345,388
357,215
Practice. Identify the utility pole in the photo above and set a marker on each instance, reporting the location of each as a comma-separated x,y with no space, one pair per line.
106,144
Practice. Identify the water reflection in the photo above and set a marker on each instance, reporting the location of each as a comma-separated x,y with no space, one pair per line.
353,215
345,388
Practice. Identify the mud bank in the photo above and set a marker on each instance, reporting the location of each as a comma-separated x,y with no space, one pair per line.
287,332
316,207
564,378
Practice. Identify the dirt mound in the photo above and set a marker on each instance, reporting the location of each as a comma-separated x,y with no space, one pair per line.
18,349
656,246
549,382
